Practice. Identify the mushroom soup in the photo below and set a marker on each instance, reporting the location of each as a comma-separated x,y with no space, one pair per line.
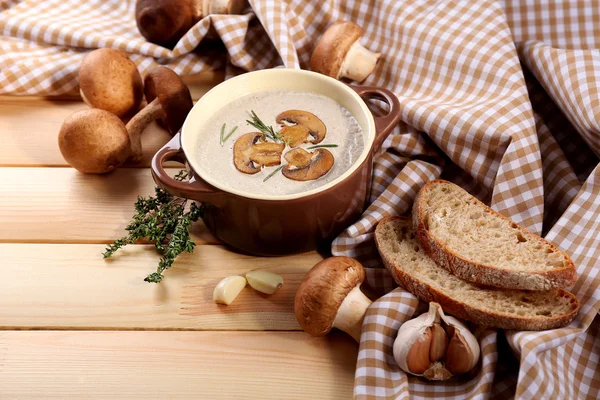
278,142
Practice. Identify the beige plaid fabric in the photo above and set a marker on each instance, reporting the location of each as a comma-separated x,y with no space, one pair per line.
500,97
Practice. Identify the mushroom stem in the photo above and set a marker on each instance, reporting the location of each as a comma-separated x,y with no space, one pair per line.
352,312
358,63
138,123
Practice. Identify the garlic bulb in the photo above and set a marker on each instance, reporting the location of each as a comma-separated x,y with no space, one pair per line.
435,346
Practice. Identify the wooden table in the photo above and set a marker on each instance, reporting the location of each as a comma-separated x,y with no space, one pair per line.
76,326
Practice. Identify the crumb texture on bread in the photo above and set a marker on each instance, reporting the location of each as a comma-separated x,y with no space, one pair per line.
478,244
508,309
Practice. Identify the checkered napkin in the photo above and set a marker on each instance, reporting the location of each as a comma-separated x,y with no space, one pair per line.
500,97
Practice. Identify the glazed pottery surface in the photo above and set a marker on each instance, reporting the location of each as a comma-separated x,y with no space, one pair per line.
276,225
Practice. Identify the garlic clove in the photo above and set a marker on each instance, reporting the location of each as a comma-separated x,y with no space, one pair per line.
264,281
459,357
228,289
417,359
439,343
435,346
467,340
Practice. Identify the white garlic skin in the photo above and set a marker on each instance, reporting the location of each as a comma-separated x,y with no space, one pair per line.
415,329
408,334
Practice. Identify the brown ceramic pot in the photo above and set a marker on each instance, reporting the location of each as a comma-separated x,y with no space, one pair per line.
277,225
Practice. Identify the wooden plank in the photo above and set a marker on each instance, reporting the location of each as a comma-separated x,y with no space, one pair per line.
61,205
29,126
175,365
48,286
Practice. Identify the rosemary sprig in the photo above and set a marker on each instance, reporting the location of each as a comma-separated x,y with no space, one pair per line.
273,173
268,131
222,134
164,220
230,133
224,138
321,145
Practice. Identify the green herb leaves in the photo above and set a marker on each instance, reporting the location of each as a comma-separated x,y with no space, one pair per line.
224,138
165,221
274,172
268,131
321,145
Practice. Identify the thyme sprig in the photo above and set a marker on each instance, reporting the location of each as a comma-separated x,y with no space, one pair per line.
164,220
268,131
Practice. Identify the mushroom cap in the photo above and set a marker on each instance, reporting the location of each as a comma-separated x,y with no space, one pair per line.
94,141
164,22
331,49
248,151
173,95
323,290
109,80
305,166
310,121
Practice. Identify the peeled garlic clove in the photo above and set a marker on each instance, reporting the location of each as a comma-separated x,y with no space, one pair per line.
228,289
264,282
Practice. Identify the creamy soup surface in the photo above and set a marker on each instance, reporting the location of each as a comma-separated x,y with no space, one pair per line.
217,160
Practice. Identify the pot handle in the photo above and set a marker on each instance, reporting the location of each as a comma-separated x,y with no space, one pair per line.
195,188
383,125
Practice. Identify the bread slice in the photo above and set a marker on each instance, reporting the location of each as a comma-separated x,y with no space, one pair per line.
479,245
508,309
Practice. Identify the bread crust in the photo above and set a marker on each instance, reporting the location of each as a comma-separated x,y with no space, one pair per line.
461,310
487,274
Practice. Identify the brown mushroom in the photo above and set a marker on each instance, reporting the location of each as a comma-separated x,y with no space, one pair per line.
250,155
339,54
294,135
223,7
94,141
330,297
164,22
109,80
305,166
171,104
310,121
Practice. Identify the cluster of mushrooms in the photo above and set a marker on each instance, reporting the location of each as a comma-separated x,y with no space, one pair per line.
252,151
433,345
96,140
164,22
337,54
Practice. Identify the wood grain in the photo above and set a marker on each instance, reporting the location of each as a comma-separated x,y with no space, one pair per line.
61,205
175,365
61,286
30,126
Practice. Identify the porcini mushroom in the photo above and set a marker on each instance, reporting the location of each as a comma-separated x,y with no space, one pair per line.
109,80
96,141
330,297
310,121
164,22
339,54
251,153
305,166
222,6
